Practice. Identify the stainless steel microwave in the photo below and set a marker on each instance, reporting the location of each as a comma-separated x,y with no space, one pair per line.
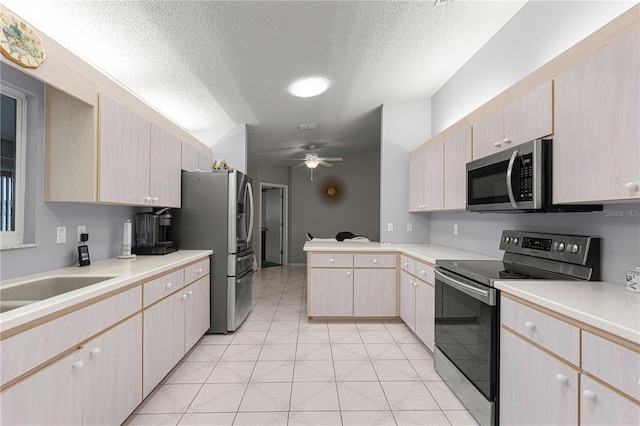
518,179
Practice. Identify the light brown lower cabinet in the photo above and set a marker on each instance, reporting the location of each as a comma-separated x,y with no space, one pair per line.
97,384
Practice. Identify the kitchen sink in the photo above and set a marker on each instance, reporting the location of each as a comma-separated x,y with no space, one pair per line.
23,294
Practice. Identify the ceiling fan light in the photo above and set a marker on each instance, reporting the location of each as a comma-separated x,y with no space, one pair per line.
312,164
309,86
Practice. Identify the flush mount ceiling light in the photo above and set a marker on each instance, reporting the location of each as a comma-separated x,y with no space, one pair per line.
309,86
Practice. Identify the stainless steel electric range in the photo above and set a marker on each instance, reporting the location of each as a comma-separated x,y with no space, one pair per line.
467,315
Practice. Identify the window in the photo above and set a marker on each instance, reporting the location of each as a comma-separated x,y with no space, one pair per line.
13,136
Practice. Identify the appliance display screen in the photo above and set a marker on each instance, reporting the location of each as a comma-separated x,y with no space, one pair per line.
543,244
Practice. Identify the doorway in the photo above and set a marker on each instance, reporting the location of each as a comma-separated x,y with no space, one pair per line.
273,225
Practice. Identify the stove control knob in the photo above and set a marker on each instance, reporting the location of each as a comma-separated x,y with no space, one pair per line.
507,240
574,248
560,246
515,241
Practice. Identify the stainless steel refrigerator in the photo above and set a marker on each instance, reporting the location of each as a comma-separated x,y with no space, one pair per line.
217,214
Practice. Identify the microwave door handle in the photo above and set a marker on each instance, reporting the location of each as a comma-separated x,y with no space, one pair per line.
509,186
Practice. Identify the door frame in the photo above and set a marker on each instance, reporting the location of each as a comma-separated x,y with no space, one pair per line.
285,221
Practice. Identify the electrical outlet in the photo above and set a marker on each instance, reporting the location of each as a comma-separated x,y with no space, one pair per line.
455,229
82,229
409,227
61,235
390,226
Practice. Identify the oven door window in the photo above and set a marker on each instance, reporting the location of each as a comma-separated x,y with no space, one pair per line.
466,332
488,185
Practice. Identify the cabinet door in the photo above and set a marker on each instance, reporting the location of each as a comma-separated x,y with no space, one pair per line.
596,146
124,154
52,396
457,153
535,388
112,388
488,134
416,183
197,312
165,168
374,293
189,157
163,337
203,162
408,300
331,292
425,313
434,177
602,406
529,117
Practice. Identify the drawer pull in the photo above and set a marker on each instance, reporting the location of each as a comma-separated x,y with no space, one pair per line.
375,260
184,296
529,325
506,141
168,285
497,144
189,293
589,394
423,272
406,264
332,260
200,270
77,364
95,351
348,273
562,378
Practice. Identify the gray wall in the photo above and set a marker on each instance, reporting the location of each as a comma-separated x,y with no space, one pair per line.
104,223
359,211
404,127
510,55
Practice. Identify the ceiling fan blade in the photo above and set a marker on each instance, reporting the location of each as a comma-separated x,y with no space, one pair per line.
324,163
331,158
294,159
300,165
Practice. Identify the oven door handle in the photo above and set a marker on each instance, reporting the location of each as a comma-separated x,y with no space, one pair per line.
485,296
509,185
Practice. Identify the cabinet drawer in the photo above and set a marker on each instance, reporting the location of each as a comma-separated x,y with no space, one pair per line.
426,273
331,260
601,406
408,264
551,333
54,337
163,286
614,364
196,271
374,261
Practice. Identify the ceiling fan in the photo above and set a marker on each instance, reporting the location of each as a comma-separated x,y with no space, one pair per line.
312,161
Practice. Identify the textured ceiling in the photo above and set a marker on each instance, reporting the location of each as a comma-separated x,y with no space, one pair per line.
207,64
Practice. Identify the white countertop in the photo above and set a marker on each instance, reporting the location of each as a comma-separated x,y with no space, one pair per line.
606,306
426,252
124,272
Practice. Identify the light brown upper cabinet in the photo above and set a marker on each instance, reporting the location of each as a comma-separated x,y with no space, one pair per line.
596,147
525,118
416,182
189,157
124,145
426,179
457,153
128,161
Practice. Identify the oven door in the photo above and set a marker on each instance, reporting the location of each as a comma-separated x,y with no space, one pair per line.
466,329
509,180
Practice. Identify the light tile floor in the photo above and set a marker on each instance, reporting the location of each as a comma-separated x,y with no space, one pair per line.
281,369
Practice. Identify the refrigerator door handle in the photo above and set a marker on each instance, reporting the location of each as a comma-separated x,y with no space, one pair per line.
250,211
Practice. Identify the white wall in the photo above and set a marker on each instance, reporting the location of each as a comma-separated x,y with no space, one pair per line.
228,142
536,34
405,126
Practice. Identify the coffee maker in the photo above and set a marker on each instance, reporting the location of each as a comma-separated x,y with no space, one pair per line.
151,233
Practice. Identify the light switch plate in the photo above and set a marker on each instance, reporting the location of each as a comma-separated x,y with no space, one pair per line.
82,229
455,229
61,235
390,226
409,227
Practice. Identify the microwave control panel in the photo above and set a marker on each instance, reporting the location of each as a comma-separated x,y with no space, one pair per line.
526,177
